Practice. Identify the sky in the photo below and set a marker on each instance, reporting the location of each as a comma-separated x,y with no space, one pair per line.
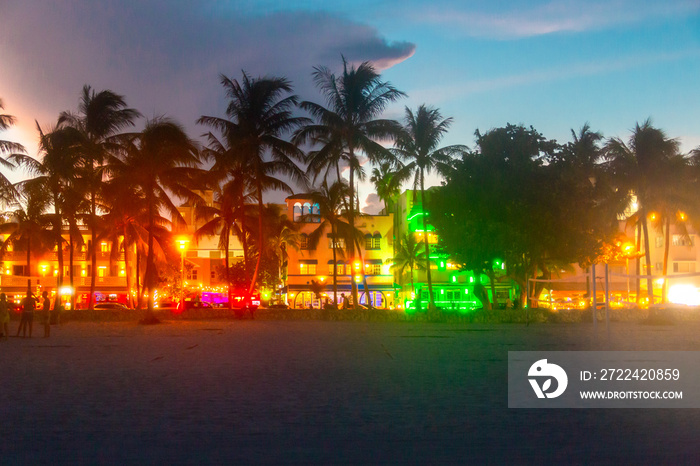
553,64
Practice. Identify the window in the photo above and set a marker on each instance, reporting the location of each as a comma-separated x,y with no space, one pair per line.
339,243
212,275
104,247
660,241
192,274
376,269
297,212
373,241
304,242
316,212
307,269
681,240
684,267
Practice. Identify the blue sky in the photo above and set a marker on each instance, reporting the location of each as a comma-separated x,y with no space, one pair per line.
551,64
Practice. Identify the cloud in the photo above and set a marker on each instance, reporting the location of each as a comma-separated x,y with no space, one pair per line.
529,19
373,204
166,56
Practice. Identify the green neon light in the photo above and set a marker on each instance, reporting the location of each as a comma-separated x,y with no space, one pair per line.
415,215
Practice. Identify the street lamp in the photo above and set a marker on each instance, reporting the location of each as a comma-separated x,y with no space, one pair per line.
182,242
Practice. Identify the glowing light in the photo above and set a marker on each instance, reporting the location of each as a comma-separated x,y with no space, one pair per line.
7,271
358,264
66,290
681,216
322,279
684,294
182,242
652,216
660,281
55,273
466,291
358,278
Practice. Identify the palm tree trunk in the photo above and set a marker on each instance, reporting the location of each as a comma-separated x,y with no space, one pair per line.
59,252
638,264
667,241
150,276
244,241
261,238
138,278
93,249
129,300
431,301
70,268
335,267
228,273
351,221
647,254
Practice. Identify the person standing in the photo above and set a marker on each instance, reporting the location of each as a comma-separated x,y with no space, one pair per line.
4,316
45,314
27,320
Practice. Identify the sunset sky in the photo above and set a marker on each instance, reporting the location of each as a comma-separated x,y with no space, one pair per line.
553,64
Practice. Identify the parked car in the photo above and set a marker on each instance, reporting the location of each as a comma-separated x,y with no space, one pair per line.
188,304
112,307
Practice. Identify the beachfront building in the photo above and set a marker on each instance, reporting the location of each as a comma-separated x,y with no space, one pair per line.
452,289
41,270
310,270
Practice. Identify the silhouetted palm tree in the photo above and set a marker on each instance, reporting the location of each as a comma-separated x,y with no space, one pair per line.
349,126
27,226
54,174
259,114
100,117
331,215
225,218
8,194
387,183
418,146
409,256
636,167
159,162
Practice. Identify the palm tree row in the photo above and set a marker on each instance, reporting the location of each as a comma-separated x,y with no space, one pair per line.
121,184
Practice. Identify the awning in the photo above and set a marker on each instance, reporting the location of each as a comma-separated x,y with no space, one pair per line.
373,261
308,261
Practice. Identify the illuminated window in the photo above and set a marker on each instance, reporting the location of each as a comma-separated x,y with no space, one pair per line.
376,269
339,243
307,269
681,240
304,242
104,247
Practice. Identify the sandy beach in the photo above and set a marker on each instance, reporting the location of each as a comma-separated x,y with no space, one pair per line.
242,392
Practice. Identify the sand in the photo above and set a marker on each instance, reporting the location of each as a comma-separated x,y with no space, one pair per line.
242,392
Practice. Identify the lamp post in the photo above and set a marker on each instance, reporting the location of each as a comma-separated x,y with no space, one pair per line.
182,243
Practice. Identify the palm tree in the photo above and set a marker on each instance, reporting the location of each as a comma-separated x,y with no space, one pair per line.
387,183
349,125
409,256
636,167
158,161
259,113
124,220
418,145
229,169
27,225
100,117
7,192
54,175
331,201
224,218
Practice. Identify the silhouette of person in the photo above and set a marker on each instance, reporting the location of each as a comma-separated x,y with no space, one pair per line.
45,314
4,315
346,301
27,320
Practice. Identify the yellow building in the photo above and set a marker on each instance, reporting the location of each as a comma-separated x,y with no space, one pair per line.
308,268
